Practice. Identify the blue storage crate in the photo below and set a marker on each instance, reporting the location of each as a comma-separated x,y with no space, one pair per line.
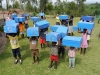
63,17
55,27
32,31
62,30
9,22
13,15
53,37
86,25
35,19
25,15
75,28
11,28
41,14
42,24
72,41
19,19
88,18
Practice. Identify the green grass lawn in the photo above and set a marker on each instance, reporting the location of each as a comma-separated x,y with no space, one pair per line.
85,65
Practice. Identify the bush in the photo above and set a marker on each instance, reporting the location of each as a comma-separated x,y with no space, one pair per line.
1,29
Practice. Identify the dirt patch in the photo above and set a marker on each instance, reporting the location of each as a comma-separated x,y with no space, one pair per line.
3,41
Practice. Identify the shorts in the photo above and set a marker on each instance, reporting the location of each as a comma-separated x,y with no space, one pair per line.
21,32
42,41
16,52
35,52
61,51
54,58
70,29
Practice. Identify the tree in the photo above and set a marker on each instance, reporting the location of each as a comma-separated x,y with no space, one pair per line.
16,5
43,5
29,7
49,6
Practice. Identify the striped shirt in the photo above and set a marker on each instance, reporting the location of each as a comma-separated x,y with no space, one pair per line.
71,53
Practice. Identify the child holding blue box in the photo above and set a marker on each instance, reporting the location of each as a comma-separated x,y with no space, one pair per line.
71,55
61,49
84,44
53,55
70,27
42,38
21,28
15,47
34,49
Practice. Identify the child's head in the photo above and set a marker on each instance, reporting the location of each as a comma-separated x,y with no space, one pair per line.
71,16
33,38
84,30
54,43
13,34
72,48
20,22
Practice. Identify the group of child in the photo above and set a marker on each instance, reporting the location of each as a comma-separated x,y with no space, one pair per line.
55,49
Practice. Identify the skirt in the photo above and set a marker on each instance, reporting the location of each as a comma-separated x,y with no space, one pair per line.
70,29
54,58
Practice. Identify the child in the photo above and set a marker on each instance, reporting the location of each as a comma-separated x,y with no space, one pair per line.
71,55
8,17
15,47
61,49
84,44
42,38
21,28
46,32
26,23
70,27
57,20
34,49
53,55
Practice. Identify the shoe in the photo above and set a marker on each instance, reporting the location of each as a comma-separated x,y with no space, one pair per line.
49,66
55,67
20,61
16,61
33,62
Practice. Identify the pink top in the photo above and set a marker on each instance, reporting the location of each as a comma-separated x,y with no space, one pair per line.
84,41
71,53
8,18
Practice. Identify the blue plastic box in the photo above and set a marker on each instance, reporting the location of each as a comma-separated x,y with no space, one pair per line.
72,41
42,24
10,22
25,15
63,17
11,28
35,19
19,19
13,15
62,30
32,31
88,18
41,14
53,37
86,25
55,27
75,28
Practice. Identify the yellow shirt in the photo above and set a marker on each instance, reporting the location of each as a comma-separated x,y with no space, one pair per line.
57,19
14,42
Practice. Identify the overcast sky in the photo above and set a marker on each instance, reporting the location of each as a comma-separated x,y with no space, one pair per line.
87,1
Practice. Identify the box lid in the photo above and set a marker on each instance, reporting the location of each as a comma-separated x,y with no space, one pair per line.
42,23
62,29
72,38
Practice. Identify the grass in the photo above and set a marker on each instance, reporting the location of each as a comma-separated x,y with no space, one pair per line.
85,65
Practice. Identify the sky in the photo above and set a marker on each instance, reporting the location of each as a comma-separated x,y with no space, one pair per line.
87,1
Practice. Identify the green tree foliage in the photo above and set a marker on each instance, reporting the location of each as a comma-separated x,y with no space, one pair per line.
29,7
16,5
43,5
